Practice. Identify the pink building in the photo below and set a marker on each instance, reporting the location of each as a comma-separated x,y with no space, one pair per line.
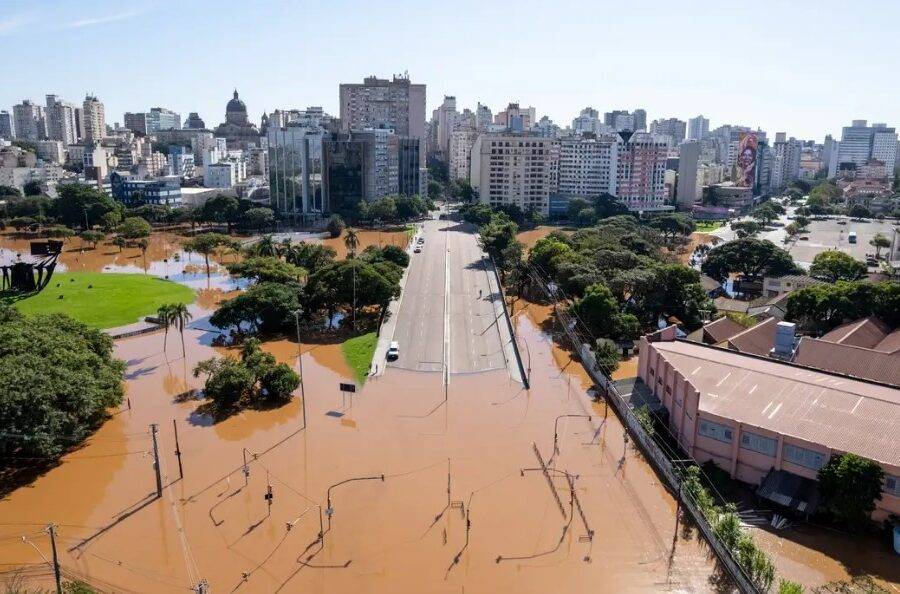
641,172
761,419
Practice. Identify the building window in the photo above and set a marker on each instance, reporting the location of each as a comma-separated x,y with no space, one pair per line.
804,457
715,431
892,485
758,443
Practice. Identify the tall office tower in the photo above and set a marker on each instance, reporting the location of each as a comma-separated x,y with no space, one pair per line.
483,117
361,165
588,166
460,152
160,118
640,120
686,190
513,169
409,175
397,104
515,118
94,116
609,118
194,122
295,168
786,160
79,124
61,120
698,128
7,126
672,128
446,117
29,121
641,179
884,147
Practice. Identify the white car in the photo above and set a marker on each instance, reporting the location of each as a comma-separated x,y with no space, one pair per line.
393,352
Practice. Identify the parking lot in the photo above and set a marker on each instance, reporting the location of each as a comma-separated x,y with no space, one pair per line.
830,234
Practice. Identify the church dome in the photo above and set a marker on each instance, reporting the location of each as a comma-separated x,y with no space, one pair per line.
236,104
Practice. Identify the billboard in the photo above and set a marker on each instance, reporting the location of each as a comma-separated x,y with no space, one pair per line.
744,173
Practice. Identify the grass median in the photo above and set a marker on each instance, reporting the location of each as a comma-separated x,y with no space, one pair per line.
102,300
358,352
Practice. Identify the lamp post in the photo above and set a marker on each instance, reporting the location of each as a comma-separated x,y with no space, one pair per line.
300,362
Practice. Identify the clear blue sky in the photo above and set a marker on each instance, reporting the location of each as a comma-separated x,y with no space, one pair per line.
804,67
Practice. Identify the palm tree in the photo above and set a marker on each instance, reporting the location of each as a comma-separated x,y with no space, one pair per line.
180,316
164,315
351,240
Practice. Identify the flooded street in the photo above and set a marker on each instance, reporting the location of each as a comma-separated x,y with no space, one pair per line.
396,534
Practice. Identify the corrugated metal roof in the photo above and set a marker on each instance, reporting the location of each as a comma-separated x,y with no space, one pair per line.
721,330
840,413
865,333
849,360
758,339
891,343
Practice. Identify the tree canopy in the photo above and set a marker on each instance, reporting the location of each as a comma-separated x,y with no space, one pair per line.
825,306
267,269
833,265
748,256
74,199
59,377
850,485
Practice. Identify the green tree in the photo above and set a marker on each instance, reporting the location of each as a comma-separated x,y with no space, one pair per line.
586,217
179,316
32,188
93,237
59,232
849,486
110,220
267,269
134,228
673,225
879,241
221,209
310,256
607,355
259,218
597,310
60,381
575,206
163,314
478,214
76,199
765,213
335,225
206,244
227,382
7,191
833,265
120,242
746,228
859,211
789,587
497,236
750,257
279,382
265,307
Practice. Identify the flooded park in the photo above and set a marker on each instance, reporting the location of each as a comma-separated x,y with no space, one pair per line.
415,482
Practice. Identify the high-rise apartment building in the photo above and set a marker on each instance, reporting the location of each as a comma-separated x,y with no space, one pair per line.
515,118
7,126
513,169
686,190
641,179
446,118
588,166
136,122
151,122
94,115
459,154
588,121
397,104
483,117
194,122
61,121
698,128
29,121
622,119
786,153
673,129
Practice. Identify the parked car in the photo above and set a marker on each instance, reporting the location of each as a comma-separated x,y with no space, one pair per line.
418,250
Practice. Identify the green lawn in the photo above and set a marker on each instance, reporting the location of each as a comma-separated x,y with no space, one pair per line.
112,299
358,352
709,225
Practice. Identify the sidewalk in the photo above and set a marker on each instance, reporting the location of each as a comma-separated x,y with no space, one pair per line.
510,349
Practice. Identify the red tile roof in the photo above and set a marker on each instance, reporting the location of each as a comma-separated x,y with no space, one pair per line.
865,333
757,340
849,360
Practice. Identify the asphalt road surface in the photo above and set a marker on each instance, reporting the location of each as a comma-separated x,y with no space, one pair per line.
448,315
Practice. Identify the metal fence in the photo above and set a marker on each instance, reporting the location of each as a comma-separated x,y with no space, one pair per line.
509,324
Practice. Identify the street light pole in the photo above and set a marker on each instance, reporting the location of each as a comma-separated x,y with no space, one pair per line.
300,363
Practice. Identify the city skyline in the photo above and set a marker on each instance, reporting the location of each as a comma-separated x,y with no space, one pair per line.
293,61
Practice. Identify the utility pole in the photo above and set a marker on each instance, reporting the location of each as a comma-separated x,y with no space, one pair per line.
178,450
52,529
153,429
300,363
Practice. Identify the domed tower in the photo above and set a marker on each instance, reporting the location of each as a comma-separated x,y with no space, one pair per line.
236,111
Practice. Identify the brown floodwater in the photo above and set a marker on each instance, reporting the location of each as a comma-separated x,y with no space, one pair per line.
398,534
531,237
366,238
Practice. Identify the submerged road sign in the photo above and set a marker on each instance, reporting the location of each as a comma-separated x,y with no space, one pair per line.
348,388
